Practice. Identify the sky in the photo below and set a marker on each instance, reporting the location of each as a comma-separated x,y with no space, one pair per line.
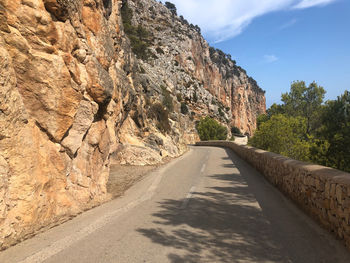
279,41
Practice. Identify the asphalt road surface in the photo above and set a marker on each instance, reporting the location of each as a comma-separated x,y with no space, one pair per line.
206,206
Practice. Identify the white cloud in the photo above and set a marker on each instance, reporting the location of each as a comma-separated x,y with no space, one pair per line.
311,3
224,19
270,58
289,24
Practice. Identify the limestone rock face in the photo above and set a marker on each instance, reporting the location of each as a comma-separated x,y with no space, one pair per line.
61,94
74,98
182,61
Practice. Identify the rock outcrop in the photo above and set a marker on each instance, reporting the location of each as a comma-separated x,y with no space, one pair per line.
74,97
183,62
63,90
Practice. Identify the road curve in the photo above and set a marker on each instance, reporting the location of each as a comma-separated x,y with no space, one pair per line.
206,206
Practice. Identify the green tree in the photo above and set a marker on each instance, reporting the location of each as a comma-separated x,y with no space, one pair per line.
304,128
137,35
283,135
195,97
235,130
275,109
210,129
261,119
304,101
335,133
171,7
184,108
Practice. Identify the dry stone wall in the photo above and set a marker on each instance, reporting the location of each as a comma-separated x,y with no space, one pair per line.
323,192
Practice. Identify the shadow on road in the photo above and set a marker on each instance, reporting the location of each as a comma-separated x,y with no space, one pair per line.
240,217
223,224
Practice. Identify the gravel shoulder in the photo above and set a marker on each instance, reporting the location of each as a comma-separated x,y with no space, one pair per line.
122,177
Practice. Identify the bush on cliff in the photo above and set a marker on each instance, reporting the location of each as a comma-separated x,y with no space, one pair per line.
161,115
210,129
138,36
184,108
171,7
235,130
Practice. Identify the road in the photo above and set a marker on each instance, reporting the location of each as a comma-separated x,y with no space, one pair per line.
206,206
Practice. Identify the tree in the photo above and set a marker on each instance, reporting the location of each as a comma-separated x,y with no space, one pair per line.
304,101
171,7
184,108
197,28
261,119
304,128
161,115
210,129
283,135
235,130
335,132
275,109
137,35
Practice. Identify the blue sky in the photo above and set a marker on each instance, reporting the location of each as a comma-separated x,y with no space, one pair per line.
279,41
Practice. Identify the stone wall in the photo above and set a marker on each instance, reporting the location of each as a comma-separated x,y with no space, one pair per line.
322,192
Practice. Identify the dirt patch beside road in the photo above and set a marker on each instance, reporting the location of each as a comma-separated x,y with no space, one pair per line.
121,177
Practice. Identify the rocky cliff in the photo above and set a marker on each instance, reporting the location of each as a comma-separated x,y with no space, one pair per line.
183,62
74,97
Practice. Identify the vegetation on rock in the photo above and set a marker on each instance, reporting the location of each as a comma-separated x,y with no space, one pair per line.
179,97
161,115
138,36
184,108
210,129
235,130
171,7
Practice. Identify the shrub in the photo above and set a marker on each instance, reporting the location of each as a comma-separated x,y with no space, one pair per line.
221,113
171,7
159,50
235,130
179,97
161,115
195,98
210,129
137,35
192,115
184,108
284,135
